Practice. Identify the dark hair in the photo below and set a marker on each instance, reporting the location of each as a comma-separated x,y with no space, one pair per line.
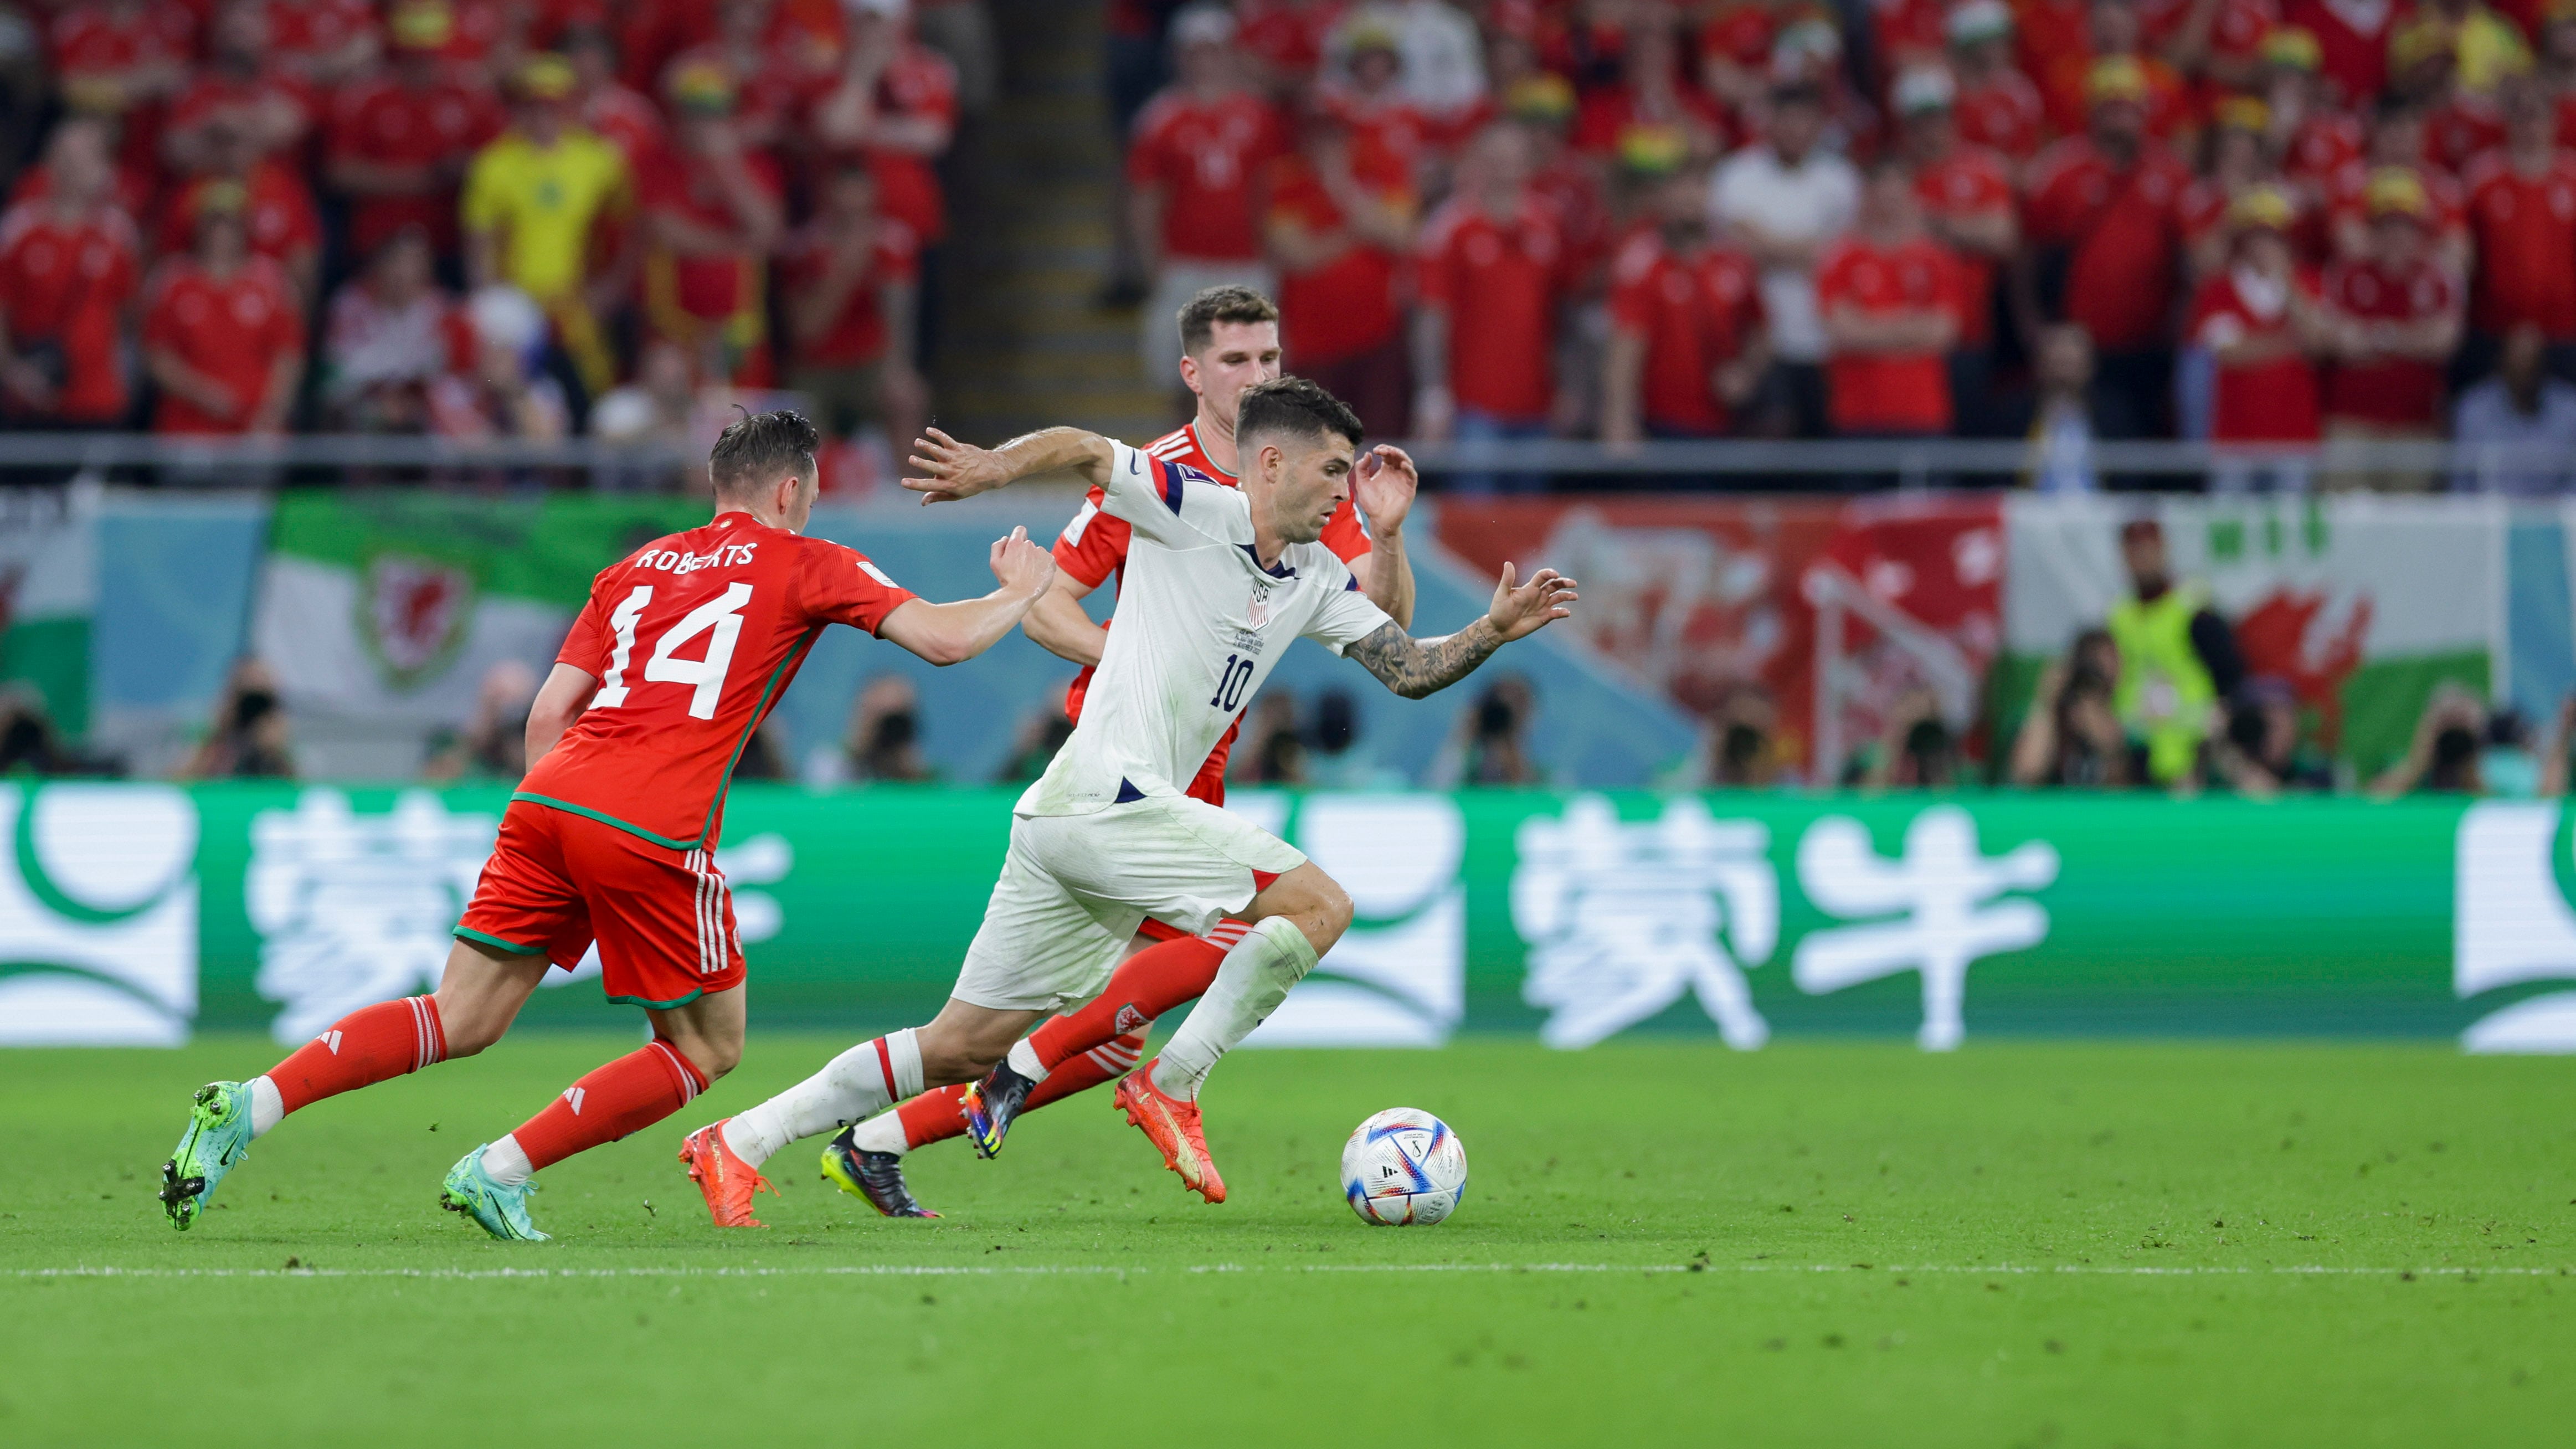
1222,304
756,447
1293,407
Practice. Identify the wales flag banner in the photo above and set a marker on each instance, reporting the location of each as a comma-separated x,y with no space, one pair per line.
381,611
2362,605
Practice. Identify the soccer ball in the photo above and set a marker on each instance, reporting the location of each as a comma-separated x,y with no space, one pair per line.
1404,1168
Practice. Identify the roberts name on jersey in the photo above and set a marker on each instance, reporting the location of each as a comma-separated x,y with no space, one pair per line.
1199,624
693,638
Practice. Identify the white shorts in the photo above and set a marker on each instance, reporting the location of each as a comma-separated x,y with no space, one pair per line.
1075,887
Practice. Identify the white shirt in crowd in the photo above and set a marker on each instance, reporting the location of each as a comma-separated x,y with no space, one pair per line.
2485,415
1444,59
1814,200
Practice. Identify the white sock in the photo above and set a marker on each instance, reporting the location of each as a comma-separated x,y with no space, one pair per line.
852,1086
1254,978
507,1162
267,1109
881,1133
1024,1060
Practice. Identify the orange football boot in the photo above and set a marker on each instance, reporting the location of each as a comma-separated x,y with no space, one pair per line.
1174,1127
727,1181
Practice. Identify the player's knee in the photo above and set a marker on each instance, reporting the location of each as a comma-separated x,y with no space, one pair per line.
466,1029
1323,910
712,1057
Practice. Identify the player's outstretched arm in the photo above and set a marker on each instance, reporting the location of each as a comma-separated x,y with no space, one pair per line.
955,632
952,470
1417,667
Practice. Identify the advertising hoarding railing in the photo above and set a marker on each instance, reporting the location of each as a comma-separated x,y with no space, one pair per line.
136,914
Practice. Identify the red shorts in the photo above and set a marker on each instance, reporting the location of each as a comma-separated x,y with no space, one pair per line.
557,881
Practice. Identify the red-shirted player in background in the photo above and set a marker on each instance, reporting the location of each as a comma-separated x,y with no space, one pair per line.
684,647
1229,340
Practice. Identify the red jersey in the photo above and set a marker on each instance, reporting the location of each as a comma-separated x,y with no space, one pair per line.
66,284
2352,39
1695,312
1094,546
709,287
1287,38
1610,121
2002,114
1969,182
93,39
302,31
858,336
2390,391
920,83
1347,306
693,638
1388,135
1500,279
2323,145
2348,194
2046,30
282,221
2260,402
211,93
2122,235
626,120
2525,230
1206,156
232,329
1883,392
2461,130
389,124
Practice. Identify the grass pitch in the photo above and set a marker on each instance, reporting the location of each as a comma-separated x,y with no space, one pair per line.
1662,1243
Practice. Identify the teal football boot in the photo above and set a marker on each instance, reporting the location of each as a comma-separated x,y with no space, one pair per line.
216,1140
503,1211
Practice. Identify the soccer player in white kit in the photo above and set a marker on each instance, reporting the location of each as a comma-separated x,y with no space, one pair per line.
1219,581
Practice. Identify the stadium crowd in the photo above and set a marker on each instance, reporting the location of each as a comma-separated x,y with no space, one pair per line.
2242,220
2246,220
469,217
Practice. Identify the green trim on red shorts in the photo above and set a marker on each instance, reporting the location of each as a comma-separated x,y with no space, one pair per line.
659,1005
638,831
463,933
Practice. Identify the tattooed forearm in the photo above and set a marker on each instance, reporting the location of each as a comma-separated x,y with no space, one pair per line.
1416,667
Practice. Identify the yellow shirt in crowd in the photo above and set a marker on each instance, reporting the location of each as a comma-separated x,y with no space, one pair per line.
543,201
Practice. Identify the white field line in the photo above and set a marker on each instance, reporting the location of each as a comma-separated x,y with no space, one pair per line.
1094,1270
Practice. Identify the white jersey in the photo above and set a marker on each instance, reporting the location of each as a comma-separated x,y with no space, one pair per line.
1199,623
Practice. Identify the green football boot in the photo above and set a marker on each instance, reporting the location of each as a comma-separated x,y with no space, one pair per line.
503,1211
216,1140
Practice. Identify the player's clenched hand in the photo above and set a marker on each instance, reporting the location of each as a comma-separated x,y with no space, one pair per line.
1524,610
1024,570
951,470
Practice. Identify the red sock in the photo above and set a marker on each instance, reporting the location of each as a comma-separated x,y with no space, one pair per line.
1146,985
935,1117
370,1045
627,1095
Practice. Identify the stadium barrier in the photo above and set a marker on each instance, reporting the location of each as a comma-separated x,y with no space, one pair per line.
136,914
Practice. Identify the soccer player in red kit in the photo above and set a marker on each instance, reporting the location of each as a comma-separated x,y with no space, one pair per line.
1229,341
684,647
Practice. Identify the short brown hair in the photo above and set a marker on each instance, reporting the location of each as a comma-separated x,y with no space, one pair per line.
757,447
1222,304
1293,407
